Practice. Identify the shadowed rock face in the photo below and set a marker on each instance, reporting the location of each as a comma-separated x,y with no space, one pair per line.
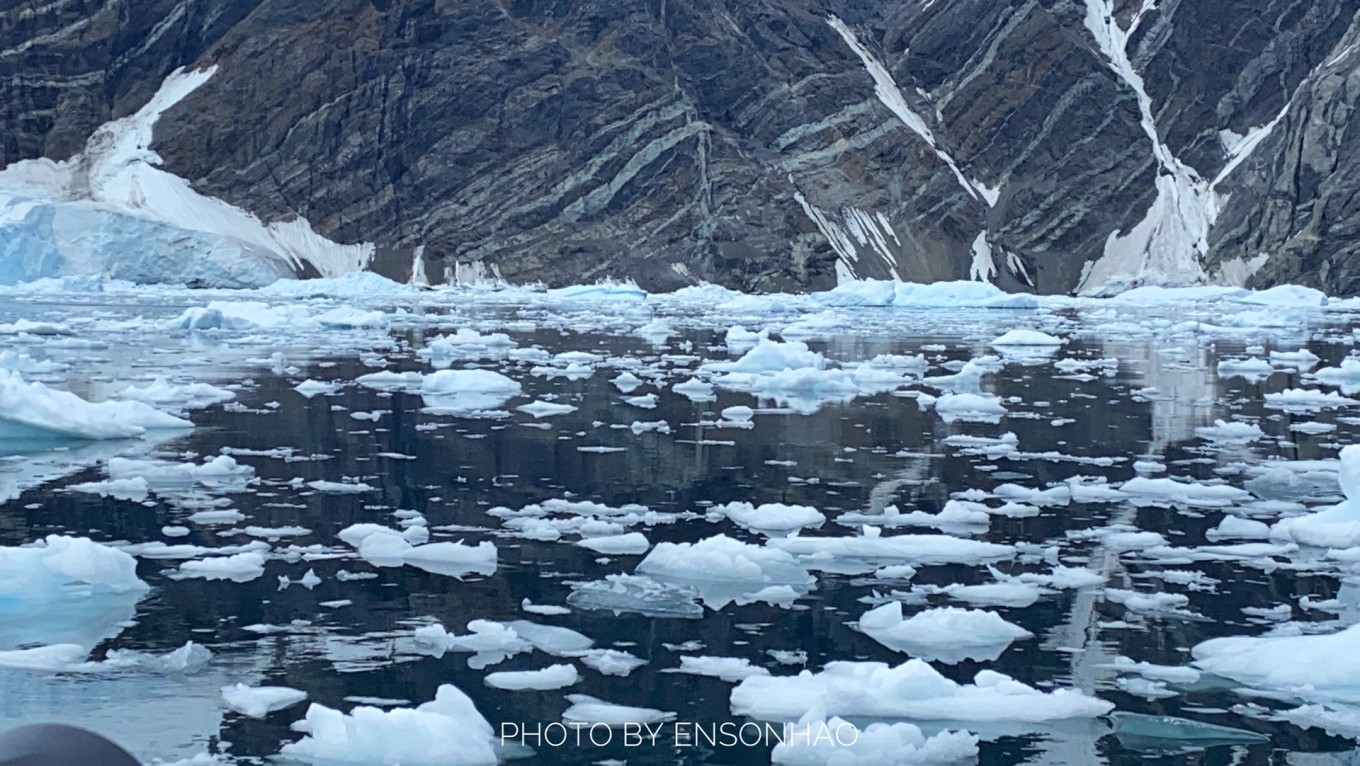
761,144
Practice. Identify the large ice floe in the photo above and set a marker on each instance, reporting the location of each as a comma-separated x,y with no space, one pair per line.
1335,527
35,412
66,591
447,731
912,690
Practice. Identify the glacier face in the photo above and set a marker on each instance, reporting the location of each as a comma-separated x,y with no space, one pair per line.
41,239
111,212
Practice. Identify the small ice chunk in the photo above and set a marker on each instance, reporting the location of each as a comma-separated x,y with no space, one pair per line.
946,634
586,710
1023,337
611,662
729,669
310,388
259,701
542,409
545,679
775,517
630,544
241,567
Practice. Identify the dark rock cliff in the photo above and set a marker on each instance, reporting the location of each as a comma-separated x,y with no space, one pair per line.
762,144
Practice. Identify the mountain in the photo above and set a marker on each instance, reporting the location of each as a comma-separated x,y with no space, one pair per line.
1049,145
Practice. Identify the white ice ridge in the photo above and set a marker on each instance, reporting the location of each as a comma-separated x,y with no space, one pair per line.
983,267
113,196
1166,246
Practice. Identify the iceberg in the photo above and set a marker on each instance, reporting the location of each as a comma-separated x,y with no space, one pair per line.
34,412
815,741
1324,668
723,569
66,590
913,690
1335,527
448,731
948,634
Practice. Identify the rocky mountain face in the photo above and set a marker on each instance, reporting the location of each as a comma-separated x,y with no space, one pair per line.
1050,145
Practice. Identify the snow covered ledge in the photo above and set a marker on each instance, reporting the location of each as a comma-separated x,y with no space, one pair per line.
110,211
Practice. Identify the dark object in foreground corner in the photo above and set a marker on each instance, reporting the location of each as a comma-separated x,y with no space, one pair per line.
55,744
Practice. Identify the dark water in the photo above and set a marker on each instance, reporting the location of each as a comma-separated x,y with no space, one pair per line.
845,458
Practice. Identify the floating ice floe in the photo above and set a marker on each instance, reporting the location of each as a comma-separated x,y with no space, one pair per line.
545,679
772,356
1154,604
973,408
628,544
1168,734
1307,400
1335,527
541,409
135,489
1346,375
348,318
728,669
723,570
341,487
1223,432
180,396
934,295
66,590
771,517
466,345
620,593
1026,338
387,547
611,662
448,731
1168,492
310,388
1252,369
912,690
490,642
587,711
872,545
461,392
34,412
259,701
816,741
241,567
946,634
221,473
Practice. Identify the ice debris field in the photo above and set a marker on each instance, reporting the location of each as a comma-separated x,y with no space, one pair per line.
347,521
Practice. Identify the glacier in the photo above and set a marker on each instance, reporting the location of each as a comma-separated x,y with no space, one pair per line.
111,212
